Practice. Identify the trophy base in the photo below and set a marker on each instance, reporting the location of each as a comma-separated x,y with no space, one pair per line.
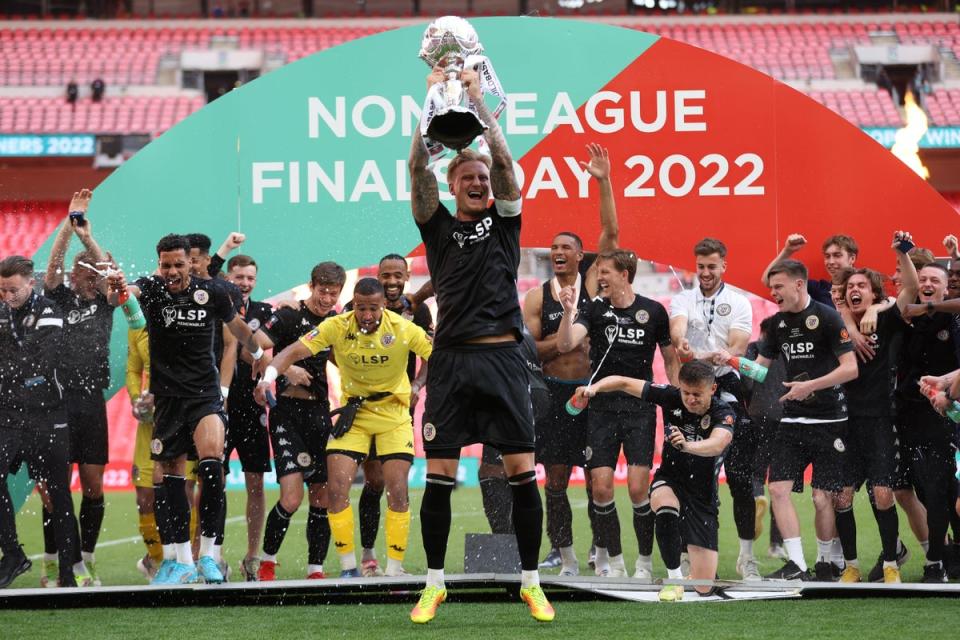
455,129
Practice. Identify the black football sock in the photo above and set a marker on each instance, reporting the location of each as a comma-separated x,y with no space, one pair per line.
318,535
668,536
608,528
275,529
847,530
435,518
161,513
528,517
889,524
49,541
369,508
178,509
91,519
643,526
559,519
210,475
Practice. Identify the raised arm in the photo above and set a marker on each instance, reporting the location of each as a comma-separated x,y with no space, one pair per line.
599,168
424,192
53,278
503,181
794,243
909,281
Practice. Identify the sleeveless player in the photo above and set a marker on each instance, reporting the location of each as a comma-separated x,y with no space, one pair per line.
703,320
625,330
476,382
371,347
300,423
872,436
699,427
561,438
183,314
818,355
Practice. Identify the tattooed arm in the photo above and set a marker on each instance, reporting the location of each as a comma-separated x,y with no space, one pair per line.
425,195
503,181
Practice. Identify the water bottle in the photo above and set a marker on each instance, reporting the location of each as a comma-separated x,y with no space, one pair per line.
749,368
952,410
575,405
131,309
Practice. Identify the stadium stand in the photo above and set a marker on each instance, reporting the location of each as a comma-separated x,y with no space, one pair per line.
943,105
41,58
866,108
131,114
24,226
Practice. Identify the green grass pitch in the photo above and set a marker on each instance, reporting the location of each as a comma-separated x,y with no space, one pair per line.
120,547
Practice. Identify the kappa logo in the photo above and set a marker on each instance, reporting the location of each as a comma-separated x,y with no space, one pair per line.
48,311
290,466
782,325
286,454
200,296
429,432
677,412
283,442
278,429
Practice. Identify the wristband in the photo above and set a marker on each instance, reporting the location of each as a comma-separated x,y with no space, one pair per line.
256,355
224,391
270,375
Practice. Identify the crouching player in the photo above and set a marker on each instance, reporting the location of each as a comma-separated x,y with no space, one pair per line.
699,427
371,347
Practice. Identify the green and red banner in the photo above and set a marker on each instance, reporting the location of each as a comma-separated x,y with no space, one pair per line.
310,160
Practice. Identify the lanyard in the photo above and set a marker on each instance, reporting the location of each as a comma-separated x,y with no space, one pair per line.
713,307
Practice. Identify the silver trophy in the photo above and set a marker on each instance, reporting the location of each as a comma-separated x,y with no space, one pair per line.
449,118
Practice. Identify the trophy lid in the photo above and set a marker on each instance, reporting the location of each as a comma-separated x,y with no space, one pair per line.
448,34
